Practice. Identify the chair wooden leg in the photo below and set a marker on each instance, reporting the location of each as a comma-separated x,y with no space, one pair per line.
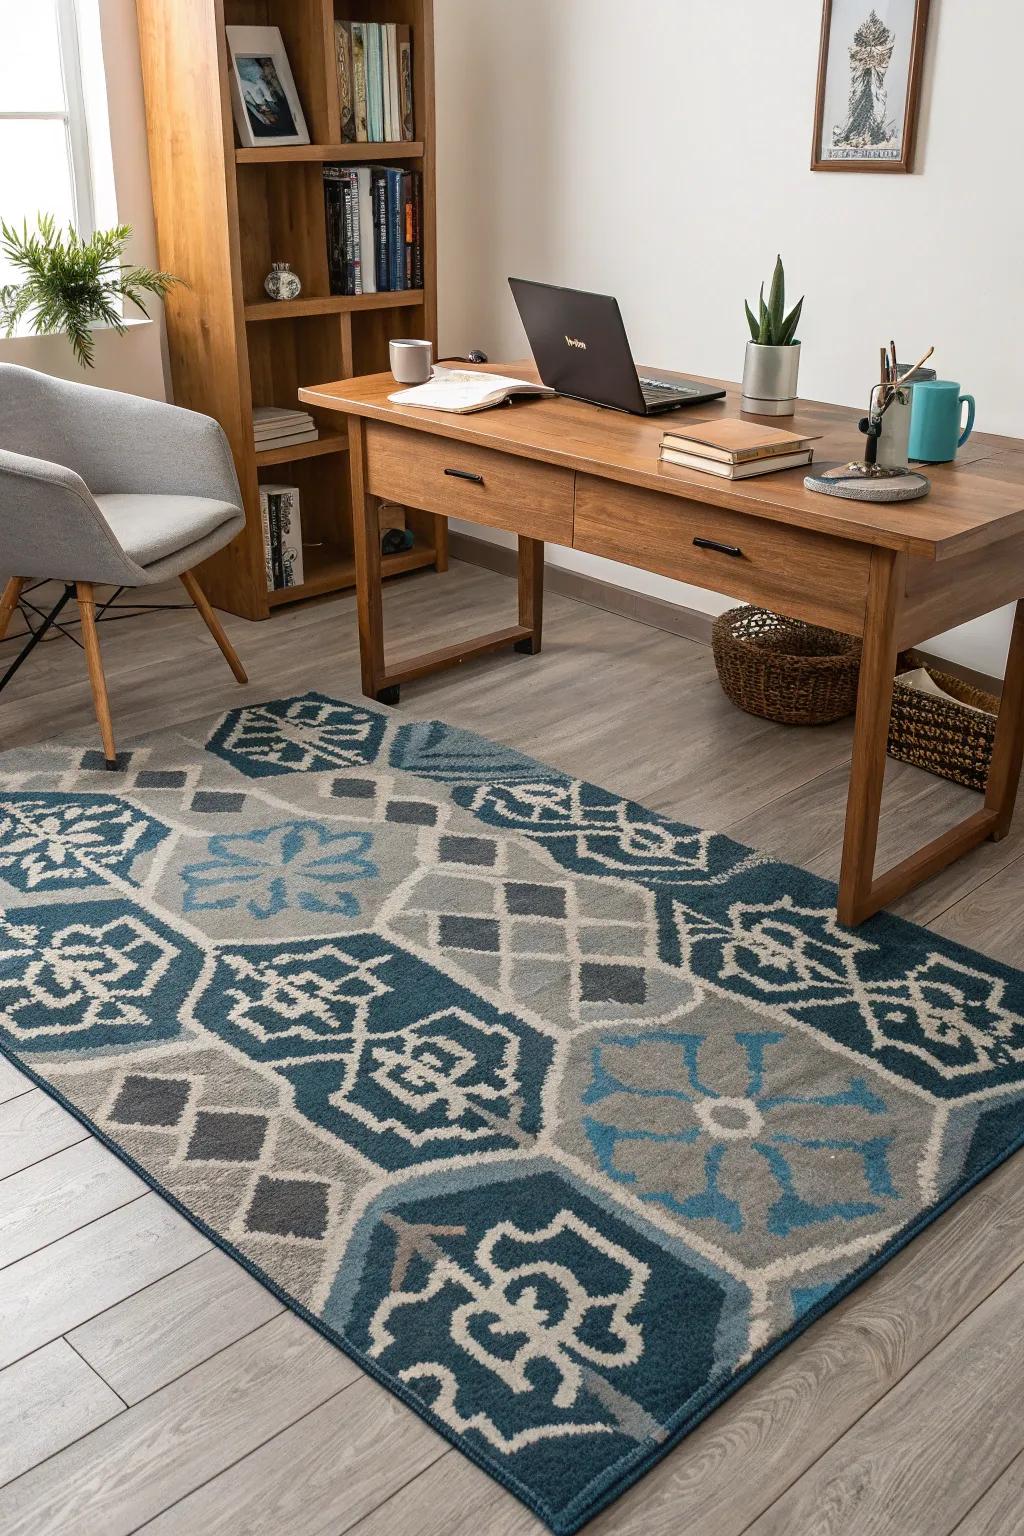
9,601
91,641
213,624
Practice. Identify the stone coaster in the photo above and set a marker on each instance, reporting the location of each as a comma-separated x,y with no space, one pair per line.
847,483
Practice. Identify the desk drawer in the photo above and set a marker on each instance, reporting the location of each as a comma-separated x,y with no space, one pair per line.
806,575
457,479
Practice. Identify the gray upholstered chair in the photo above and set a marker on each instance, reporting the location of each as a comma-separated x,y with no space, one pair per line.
103,488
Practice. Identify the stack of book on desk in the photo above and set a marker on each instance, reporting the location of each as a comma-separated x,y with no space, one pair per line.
736,449
275,427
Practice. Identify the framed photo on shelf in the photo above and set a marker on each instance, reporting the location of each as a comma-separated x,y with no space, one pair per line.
263,95
869,84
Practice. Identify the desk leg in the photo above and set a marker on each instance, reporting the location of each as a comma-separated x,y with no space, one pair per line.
379,682
871,731
861,892
531,593
1008,751
366,546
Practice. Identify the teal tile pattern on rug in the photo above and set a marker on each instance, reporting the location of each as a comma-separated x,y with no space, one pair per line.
558,1116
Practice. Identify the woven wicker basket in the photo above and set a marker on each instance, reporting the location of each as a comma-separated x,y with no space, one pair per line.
784,670
942,736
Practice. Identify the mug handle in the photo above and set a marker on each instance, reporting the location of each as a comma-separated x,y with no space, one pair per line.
969,399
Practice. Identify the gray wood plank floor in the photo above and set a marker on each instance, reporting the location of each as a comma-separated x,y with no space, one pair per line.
148,1383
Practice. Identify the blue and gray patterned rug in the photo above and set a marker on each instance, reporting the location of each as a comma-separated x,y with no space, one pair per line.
557,1116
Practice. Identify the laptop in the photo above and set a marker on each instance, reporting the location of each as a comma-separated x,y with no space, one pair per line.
580,346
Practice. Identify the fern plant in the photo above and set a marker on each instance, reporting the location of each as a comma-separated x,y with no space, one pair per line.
771,326
71,284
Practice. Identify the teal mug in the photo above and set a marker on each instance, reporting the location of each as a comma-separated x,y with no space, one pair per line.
936,421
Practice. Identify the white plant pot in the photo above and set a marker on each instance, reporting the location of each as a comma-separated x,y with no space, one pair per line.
769,379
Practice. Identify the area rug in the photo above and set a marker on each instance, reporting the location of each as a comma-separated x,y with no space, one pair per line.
560,1118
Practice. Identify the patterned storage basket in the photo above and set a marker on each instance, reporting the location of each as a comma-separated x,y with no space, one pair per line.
941,735
784,670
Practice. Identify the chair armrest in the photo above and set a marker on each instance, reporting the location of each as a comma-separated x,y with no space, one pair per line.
50,526
128,443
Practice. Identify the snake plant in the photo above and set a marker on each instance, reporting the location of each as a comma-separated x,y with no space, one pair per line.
771,326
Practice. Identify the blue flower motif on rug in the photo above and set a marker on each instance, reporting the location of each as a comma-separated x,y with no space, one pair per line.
58,841
306,735
740,1129
305,864
91,974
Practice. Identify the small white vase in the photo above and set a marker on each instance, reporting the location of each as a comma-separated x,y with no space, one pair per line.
769,379
281,282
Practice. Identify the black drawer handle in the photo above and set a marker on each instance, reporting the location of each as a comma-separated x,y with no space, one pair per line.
723,549
466,474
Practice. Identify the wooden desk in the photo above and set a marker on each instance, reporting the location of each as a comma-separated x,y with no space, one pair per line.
563,472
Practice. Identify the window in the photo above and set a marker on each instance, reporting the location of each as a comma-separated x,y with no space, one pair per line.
44,138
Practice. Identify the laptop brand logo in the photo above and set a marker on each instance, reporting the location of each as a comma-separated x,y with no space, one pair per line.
573,341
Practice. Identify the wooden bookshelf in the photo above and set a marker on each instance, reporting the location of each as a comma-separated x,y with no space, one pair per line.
223,214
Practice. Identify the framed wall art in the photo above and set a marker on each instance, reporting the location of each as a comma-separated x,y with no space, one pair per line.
869,85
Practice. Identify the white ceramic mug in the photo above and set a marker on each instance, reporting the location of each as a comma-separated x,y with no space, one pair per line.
411,361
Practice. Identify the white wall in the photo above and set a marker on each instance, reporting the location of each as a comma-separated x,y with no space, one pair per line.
659,150
135,362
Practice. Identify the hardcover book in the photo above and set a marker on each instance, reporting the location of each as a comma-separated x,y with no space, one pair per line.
392,81
733,441
406,112
769,464
346,93
374,81
359,81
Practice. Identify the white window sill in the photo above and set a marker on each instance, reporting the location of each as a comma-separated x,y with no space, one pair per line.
131,323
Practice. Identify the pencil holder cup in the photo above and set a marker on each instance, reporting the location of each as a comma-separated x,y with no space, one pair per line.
893,442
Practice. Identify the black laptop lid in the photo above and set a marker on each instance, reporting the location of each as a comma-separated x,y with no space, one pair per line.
579,343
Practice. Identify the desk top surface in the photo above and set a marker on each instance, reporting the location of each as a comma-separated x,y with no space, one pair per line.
974,502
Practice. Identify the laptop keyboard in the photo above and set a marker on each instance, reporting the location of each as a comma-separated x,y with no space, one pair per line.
654,390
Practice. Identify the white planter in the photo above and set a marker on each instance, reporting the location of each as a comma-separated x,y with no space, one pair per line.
769,379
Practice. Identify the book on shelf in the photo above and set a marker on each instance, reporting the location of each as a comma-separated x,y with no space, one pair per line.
375,81
359,82
388,70
374,222
406,114
281,517
745,470
732,441
346,86
275,427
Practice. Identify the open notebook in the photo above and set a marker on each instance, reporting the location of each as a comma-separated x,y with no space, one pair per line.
462,390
